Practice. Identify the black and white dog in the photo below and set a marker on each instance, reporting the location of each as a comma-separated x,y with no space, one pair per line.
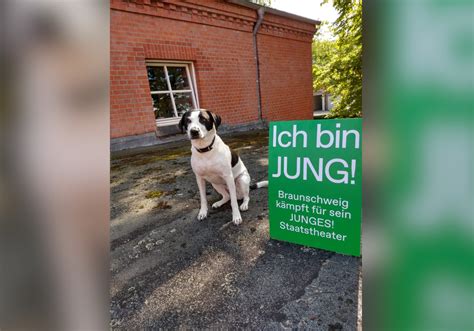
213,161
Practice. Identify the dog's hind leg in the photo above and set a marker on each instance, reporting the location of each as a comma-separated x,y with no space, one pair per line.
242,185
222,190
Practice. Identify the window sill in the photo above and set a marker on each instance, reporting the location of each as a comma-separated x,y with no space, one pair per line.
167,121
320,113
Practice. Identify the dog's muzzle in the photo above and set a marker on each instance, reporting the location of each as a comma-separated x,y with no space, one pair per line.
194,133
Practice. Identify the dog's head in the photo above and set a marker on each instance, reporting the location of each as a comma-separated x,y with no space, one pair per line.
199,123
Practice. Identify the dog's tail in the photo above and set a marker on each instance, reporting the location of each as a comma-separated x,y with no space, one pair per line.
263,183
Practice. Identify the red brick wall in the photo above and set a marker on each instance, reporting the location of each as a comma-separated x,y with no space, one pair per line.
217,37
286,79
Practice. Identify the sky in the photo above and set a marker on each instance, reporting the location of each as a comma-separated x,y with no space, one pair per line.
310,9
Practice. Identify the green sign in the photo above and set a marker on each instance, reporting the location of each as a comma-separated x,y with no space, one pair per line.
315,183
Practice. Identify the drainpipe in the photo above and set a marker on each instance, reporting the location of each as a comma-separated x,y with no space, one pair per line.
260,12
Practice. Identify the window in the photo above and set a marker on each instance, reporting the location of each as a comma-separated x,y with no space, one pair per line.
172,90
318,102
322,102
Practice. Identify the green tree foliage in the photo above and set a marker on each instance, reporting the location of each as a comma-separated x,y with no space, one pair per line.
265,3
337,65
323,52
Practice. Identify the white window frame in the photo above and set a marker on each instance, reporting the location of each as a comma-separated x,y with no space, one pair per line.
190,72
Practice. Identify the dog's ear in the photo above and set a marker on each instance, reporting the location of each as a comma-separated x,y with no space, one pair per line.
182,123
215,118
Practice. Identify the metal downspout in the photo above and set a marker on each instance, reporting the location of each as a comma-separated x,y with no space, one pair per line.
260,12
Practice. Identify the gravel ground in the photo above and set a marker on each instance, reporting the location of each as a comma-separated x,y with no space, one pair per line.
170,271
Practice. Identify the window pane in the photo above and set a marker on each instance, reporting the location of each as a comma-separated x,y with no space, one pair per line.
162,105
318,103
178,78
183,102
157,79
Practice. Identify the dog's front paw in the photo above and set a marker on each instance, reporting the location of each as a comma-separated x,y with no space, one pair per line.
237,219
202,214
244,206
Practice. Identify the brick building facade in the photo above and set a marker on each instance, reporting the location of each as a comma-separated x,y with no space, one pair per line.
169,56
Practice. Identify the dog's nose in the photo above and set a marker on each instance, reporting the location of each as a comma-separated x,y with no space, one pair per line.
194,131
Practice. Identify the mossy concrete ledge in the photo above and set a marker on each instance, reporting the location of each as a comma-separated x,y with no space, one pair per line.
156,138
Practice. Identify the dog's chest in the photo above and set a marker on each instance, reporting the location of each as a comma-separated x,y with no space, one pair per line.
211,168
203,166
